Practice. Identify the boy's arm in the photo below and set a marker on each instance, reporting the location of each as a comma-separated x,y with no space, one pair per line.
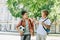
17,28
32,27
47,26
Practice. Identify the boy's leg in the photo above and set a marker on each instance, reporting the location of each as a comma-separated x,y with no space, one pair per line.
43,37
23,37
38,37
26,37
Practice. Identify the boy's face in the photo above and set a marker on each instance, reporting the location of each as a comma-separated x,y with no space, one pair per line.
43,14
25,16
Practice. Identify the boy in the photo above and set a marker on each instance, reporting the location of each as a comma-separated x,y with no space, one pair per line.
28,25
44,22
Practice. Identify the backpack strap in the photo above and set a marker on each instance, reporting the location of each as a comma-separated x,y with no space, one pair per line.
31,22
45,19
47,30
22,23
32,27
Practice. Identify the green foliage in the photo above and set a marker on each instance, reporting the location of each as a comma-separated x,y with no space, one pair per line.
55,13
33,7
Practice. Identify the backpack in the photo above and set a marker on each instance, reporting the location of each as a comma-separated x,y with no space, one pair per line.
24,24
31,26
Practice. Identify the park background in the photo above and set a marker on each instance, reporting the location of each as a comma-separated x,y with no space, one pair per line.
10,14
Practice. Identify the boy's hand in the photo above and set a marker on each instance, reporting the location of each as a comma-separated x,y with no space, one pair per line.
32,34
21,33
42,23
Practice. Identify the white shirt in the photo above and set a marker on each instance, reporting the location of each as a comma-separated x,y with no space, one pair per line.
40,29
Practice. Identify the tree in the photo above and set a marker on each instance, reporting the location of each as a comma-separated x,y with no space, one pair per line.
55,11
33,7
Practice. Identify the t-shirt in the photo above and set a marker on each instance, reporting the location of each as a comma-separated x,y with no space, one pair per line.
26,31
40,29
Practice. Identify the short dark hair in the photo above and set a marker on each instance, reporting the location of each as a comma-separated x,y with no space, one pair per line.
23,12
46,12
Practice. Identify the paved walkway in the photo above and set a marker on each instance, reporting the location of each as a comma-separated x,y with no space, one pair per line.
15,36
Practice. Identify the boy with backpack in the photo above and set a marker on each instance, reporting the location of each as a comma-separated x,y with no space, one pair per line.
27,25
44,26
